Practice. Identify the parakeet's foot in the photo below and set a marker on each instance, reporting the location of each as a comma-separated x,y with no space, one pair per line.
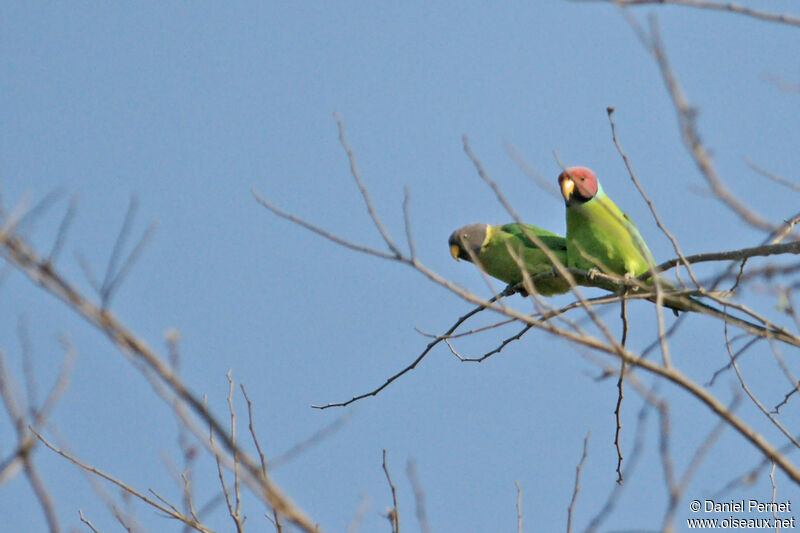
593,273
515,287
628,277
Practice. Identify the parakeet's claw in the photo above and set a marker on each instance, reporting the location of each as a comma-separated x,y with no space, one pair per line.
628,278
512,288
593,273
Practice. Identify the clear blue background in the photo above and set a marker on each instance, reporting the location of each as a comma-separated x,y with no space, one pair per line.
190,105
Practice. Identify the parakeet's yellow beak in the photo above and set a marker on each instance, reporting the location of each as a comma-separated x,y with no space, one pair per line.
567,186
454,250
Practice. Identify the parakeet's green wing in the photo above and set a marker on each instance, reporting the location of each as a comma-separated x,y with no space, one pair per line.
553,241
498,261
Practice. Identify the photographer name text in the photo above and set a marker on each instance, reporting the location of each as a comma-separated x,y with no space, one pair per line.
746,506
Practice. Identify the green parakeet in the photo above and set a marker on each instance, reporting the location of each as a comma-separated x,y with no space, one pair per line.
489,245
599,234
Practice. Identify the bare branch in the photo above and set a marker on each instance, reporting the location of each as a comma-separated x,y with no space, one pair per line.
419,496
638,446
116,252
687,119
716,6
632,174
413,364
42,495
63,228
771,175
764,250
620,392
319,231
750,394
490,353
252,428
27,363
169,510
235,506
361,187
358,516
43,274
113,284
577,485
407,221
545,184
393,514
304,445
694,464
87,522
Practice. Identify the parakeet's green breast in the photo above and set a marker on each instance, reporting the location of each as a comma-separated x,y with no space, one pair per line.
600,230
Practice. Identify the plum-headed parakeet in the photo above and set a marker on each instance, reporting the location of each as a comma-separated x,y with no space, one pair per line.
599,234
489,245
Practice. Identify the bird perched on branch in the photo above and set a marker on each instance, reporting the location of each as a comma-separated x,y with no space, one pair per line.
599,234
493,250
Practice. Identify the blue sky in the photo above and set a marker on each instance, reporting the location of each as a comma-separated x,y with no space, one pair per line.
188,106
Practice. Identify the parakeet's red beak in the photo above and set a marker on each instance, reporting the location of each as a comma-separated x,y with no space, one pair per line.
567,186
454,251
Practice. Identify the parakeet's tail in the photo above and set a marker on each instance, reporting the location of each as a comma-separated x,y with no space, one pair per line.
690,304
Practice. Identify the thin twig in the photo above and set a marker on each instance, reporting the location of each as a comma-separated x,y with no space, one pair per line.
499,348
771,175
694,464
361,187
632,174
716,6
407,222
620,392
116,251
169,510
735,255
63,228
319,231
545,184
419,496
358,516
576,487
235,507
394,514
252,428
638,445
306,444
43,274
687,119
411,366
750,394
87,522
